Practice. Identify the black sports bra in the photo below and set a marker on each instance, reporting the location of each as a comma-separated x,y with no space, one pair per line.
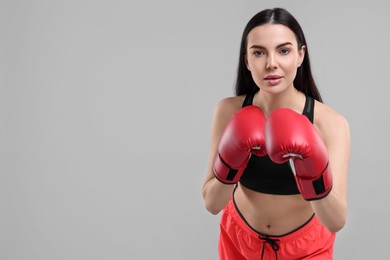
265,176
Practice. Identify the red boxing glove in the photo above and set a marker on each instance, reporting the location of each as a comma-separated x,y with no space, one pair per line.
291,137
243,135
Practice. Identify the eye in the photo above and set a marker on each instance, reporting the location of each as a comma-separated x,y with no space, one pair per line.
258,53
284,51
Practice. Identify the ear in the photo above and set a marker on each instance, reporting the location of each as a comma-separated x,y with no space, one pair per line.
301,54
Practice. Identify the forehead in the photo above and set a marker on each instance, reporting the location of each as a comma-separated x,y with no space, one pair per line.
270,35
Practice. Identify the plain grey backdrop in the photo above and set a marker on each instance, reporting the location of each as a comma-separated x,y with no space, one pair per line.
106,111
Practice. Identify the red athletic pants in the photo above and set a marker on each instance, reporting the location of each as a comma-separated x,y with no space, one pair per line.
240,241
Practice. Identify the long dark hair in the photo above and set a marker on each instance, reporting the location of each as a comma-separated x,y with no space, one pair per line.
303,81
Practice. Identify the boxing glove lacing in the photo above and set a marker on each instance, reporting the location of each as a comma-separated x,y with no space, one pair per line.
272,242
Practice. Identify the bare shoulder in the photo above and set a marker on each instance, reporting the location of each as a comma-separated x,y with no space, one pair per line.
227,107
330,123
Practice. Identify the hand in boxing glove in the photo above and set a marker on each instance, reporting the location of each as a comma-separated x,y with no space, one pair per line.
292,137
243,135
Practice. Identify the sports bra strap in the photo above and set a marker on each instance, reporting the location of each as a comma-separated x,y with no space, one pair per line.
308,110
249,98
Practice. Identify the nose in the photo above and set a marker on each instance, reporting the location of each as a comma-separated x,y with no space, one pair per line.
271,62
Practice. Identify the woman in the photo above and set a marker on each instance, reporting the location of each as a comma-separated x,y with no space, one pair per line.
279,157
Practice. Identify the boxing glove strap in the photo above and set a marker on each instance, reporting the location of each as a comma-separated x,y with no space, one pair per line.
223,172
319,185
318,188
323,185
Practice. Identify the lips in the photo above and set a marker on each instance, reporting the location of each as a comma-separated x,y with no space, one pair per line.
272,77
273,80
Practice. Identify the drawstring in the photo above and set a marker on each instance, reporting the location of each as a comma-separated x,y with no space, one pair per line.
272,242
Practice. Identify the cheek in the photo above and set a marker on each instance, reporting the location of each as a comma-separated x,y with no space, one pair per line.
256,66
258,72
289,63
290,67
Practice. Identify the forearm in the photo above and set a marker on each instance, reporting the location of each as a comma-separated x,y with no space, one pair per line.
331,211
216,195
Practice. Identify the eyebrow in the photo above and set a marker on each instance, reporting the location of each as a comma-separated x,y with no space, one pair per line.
261,47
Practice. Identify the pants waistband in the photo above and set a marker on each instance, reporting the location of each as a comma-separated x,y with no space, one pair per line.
292,235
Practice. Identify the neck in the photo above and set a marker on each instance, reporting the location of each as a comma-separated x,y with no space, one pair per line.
290,98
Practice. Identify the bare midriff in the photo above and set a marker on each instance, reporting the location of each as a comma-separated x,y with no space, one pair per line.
270,214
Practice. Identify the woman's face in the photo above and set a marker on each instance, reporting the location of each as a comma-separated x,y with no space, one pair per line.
273,57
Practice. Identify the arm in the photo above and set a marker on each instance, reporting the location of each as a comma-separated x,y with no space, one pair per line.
332,210
318,156
216,194
242,135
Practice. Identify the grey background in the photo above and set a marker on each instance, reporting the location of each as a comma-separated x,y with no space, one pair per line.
106,110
